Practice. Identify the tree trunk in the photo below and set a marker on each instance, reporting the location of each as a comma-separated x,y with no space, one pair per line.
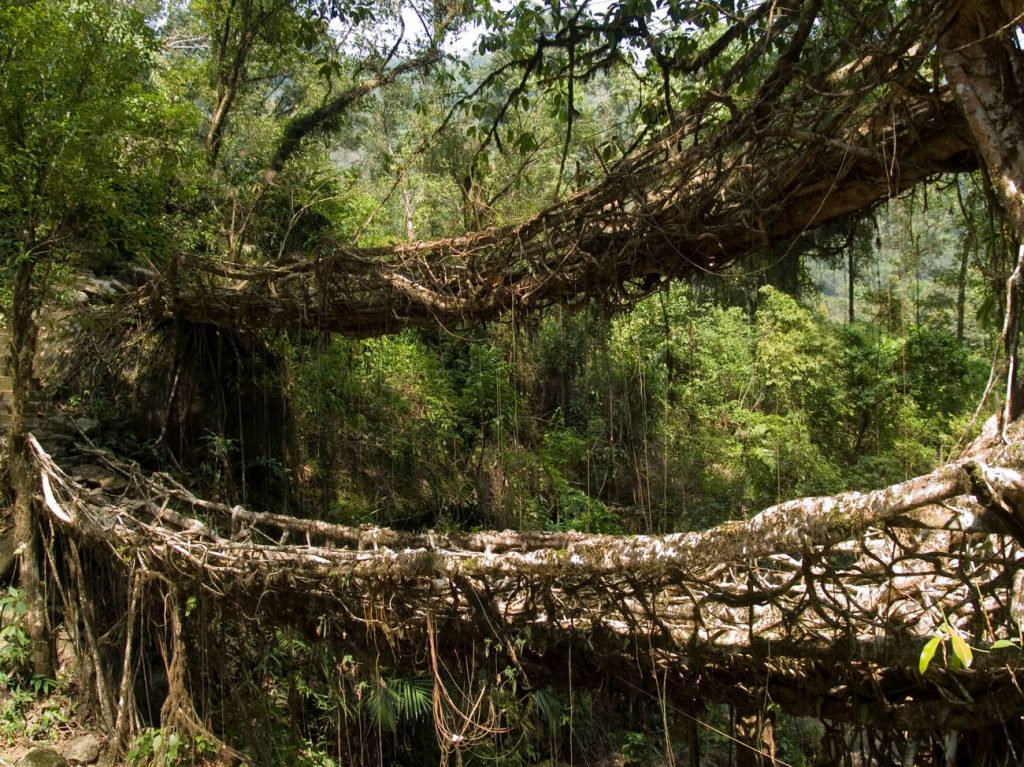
851,274
755,735
969,246
409,209
985,67
230,77
23,346
693,739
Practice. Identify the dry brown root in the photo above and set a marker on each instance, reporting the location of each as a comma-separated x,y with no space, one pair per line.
178,714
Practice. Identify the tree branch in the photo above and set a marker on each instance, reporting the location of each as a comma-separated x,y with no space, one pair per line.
328,117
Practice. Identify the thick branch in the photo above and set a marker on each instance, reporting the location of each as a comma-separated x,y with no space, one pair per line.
229,75
985,67
328,116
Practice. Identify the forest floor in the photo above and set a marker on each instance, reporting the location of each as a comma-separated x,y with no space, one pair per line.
50,717
51,721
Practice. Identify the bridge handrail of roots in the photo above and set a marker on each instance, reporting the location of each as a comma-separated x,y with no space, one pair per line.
832,598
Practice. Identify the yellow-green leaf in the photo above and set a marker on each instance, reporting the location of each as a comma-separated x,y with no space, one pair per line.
961,649
927,653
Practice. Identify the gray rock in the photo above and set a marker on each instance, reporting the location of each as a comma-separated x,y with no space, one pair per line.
100,288
114,485
42,757
133,275
93,476
83,750
50,439
87,424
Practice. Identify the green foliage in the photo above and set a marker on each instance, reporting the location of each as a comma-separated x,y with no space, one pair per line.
941,372
20,689
15,665
562,453
89,159
963,655
383,412
635,748
488,398
677,414
1003,644
389,701
928,652
154,747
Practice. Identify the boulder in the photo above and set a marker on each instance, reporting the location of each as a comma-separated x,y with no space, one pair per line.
92,475
83,750
87,424
42,757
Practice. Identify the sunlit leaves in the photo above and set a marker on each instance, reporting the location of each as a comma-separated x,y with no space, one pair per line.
962,654
928,653
86,132
961,650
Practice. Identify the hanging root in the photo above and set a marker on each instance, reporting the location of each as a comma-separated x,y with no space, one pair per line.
87,614
458,727
178,714
127,714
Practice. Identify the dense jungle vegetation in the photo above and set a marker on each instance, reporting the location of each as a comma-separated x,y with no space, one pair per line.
274,132
699,404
